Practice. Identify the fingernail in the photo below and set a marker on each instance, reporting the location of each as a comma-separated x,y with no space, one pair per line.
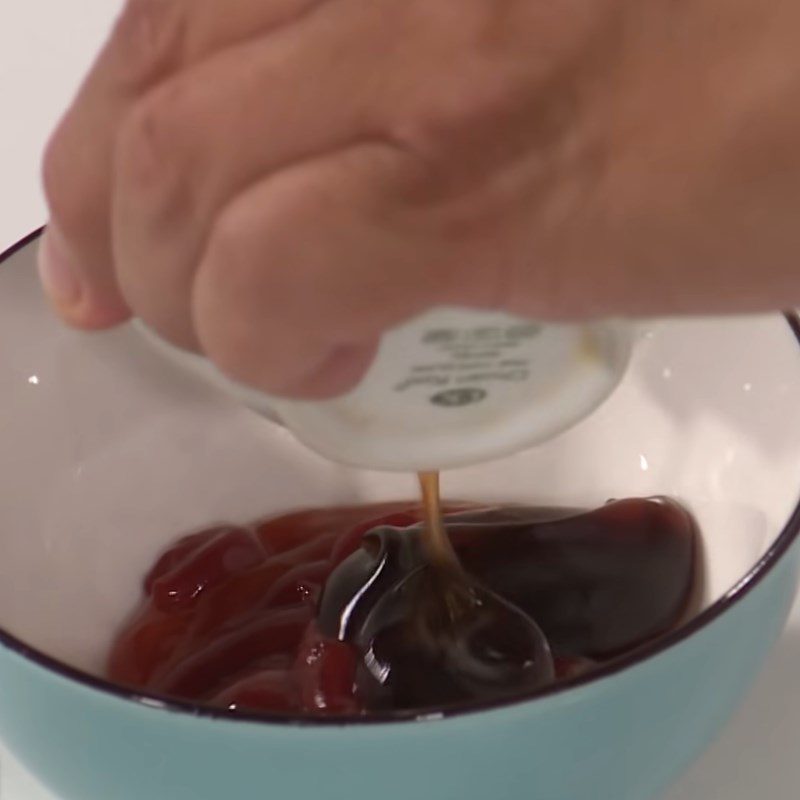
56,270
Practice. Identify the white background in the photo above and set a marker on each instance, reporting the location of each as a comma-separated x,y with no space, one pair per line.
45,46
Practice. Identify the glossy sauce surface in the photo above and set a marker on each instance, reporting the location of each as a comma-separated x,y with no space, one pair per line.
276,617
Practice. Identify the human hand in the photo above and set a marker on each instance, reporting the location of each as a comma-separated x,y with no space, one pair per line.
275,183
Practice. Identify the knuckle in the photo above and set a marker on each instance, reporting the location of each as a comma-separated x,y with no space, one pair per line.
471,96
146,147
486,75
149,38
457,119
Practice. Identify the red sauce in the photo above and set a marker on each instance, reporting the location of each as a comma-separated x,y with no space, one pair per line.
231,615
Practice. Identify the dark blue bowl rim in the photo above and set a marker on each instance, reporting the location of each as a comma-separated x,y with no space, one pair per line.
157,702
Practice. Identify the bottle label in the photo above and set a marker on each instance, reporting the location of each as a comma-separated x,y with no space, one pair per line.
458,365
467,364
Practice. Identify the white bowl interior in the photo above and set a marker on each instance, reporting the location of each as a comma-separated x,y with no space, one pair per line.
106,454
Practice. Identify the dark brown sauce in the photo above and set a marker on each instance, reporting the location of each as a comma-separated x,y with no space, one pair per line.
428,632
307,613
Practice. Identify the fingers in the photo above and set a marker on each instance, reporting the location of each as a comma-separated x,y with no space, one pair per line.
318,250
86,305
152,39
195,142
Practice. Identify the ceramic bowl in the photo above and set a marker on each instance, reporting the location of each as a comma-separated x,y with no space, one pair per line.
106,454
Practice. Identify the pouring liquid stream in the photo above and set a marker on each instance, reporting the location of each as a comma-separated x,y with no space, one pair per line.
456,626
435,540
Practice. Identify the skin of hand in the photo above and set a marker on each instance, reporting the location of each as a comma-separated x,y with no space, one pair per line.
275,183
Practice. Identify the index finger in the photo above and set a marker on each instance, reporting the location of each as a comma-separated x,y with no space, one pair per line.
152,40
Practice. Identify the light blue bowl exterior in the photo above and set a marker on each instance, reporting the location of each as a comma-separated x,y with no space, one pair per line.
622,737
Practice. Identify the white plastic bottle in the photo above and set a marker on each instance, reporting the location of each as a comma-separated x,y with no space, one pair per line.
454,387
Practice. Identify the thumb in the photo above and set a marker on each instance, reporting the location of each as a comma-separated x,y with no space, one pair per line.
82,303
